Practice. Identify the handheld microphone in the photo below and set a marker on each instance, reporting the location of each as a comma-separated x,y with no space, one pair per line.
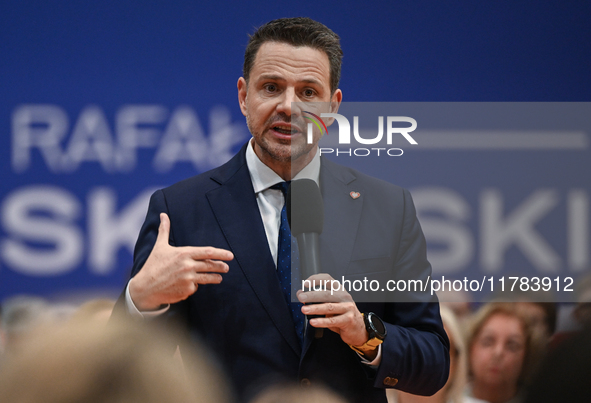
305,214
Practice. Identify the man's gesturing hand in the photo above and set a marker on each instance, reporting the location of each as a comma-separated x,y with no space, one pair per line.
171,274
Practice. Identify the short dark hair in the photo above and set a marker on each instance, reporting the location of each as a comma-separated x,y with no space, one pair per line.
299,31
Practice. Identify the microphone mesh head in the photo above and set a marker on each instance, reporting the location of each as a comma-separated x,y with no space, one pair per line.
305,211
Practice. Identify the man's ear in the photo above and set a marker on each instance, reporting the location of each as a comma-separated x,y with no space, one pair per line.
335,101
242,87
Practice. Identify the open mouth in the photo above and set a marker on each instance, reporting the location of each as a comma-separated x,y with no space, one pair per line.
286,130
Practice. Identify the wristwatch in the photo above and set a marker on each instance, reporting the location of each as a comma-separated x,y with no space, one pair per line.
377,333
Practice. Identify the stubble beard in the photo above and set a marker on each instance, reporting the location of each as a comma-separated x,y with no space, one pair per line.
283,151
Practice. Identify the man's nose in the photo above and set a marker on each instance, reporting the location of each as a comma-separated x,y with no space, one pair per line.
288,97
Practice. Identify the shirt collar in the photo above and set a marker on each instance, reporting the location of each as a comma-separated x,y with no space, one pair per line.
264,177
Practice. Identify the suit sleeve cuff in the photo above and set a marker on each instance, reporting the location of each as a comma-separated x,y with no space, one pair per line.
376,361
133,311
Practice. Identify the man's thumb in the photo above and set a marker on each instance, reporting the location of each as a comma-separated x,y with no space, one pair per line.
163,229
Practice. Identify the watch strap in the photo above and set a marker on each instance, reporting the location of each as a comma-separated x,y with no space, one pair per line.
369,345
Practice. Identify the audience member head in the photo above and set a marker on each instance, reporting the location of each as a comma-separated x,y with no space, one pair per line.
453,390
503,348
93,363
1,333
297,394
95,309
582,311
460,302
564,373
539,306
542,315
22,315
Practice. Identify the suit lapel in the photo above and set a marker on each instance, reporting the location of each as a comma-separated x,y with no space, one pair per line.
342,214
234,205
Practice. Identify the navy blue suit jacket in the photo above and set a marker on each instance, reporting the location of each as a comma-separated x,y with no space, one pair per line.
245,320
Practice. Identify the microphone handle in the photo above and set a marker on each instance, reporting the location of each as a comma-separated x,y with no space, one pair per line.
308,246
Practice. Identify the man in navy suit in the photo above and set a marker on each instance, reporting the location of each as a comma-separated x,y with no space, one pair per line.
207,252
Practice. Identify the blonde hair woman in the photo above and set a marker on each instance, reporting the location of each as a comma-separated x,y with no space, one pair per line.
503,349
454,388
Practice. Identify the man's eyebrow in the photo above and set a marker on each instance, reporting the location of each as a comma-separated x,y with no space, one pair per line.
312,81
271,77
279,78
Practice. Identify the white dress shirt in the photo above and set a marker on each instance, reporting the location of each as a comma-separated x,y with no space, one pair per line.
270,201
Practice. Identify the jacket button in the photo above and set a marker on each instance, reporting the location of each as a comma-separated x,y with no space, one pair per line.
305,382
390,381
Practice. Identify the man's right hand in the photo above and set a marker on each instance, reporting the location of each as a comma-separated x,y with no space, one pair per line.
171,274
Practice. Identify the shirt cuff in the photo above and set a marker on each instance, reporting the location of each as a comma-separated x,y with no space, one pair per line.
376,361
133,311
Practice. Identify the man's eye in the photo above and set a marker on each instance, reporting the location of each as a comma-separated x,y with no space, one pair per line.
309,93
271,87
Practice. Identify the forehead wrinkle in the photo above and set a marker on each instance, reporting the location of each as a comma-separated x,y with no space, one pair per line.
309,72
273,63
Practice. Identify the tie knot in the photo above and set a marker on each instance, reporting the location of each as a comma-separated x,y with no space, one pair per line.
283,186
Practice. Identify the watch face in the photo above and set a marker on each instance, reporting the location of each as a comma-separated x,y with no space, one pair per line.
377,324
